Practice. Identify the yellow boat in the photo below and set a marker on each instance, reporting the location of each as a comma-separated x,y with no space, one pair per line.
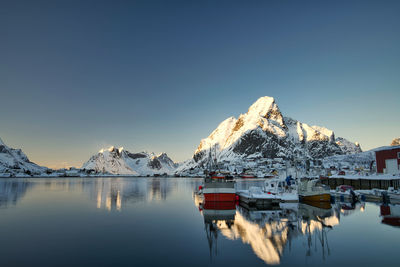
314,191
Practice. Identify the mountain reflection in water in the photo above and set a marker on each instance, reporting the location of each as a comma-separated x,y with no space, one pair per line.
11,191
269,231
109,193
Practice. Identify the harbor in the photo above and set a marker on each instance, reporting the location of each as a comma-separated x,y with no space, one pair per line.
199,133
273,231
268,192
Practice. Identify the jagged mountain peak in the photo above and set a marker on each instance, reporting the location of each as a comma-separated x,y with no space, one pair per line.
111,149
262,106
122,162
264,114
261,112
162,155
263,132
267,108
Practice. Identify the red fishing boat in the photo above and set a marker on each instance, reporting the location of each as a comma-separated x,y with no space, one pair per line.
219,189
218,186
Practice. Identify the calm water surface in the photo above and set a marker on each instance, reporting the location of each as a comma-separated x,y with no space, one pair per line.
158,222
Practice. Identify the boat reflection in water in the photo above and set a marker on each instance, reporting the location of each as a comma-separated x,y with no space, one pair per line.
390,214
269,231
218,216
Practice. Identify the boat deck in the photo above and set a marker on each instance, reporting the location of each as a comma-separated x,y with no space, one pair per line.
255,200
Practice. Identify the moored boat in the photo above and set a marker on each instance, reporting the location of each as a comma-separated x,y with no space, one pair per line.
284,190
219,189
217,175
273,191
218,186
255,196
374,195
314,191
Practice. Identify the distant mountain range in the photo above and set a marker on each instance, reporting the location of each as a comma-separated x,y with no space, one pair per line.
263,132
119,161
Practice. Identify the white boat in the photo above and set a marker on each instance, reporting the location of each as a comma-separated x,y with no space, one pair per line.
273,191
371,195
281,190
256,196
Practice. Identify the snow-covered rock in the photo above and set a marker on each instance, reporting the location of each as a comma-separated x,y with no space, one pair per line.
122,162
352,161
347,146
13,162
263,132
395,142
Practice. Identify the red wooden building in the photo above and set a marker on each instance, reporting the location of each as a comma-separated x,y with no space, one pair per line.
388,160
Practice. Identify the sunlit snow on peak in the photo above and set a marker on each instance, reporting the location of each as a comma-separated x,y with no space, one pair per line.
262,105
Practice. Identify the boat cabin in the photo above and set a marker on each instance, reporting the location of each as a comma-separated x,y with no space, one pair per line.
277,185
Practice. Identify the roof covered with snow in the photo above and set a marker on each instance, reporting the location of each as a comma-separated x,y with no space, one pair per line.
386,148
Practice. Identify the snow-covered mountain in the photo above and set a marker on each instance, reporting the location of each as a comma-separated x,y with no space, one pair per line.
263,132
395,142
122,162
13,162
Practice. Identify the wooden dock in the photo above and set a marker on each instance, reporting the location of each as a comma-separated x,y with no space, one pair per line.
362,183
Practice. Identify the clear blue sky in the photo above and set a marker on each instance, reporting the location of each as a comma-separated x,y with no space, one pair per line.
160,75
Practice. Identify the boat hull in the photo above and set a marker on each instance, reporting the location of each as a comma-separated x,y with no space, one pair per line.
218,197
247,176
219,205
316,198
217,177
258,202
